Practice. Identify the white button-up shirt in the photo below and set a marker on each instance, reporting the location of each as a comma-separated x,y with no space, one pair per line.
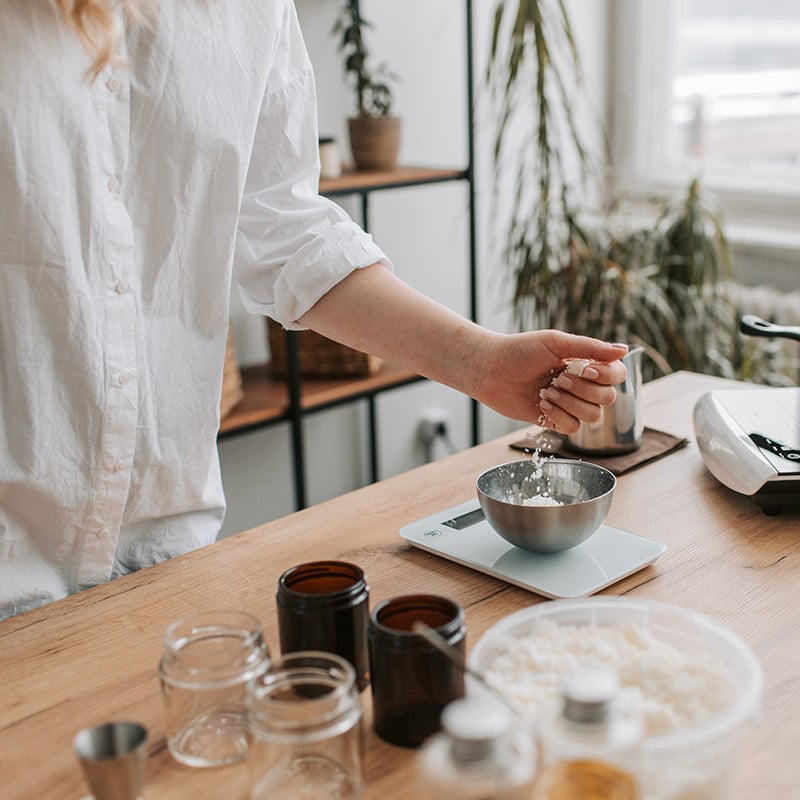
124,205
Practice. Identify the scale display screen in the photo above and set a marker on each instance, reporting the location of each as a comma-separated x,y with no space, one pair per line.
465,520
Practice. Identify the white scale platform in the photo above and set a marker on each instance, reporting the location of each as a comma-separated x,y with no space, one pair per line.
463,535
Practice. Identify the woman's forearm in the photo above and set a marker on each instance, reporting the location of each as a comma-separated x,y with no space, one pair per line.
374,311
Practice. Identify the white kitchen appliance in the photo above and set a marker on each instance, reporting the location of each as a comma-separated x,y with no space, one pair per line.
463,535
749,440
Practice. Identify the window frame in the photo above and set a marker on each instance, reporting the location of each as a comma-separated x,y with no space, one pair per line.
639,78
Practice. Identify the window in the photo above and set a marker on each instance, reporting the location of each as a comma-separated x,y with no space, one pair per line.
711,88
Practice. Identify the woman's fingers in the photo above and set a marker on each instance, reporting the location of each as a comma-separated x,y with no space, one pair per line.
590,391
578,393
556,419
609,374
567,411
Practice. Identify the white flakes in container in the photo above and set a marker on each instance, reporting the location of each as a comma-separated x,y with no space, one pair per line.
698,682
677,687
540,500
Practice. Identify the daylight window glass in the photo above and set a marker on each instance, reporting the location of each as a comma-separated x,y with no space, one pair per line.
735,88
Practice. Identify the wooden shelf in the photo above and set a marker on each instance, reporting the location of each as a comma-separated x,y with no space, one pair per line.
354,181
266,398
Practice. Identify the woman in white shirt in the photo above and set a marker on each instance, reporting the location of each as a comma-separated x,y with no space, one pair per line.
146,163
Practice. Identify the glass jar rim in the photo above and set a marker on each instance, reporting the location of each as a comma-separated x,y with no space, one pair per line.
250,658
303,668
408,603
290,583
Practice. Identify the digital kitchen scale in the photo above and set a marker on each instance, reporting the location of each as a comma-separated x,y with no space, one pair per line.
463,535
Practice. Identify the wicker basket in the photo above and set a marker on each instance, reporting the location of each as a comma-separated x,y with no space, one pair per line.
319,357
232,392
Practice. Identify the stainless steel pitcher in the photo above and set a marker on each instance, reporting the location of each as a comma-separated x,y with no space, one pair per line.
620,427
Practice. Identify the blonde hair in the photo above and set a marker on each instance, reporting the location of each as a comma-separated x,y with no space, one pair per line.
97,26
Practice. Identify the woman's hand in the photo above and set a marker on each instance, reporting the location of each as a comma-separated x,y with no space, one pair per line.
524,377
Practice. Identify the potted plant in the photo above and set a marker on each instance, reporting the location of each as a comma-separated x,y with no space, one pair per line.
374,131
662,283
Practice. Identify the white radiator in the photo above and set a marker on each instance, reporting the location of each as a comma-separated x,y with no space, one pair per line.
768,303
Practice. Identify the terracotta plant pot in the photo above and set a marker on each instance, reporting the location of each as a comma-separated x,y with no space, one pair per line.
375,141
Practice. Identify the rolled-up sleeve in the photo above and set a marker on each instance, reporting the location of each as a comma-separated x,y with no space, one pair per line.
293,245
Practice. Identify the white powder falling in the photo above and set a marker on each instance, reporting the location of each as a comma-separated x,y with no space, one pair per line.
532,488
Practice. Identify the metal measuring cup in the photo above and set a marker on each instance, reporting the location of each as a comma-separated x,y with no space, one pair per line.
113,757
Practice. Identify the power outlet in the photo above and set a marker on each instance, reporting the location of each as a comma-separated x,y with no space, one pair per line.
432,426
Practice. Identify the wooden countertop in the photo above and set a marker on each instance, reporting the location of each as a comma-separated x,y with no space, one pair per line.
92,657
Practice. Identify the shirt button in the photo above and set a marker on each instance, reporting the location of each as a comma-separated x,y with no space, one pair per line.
122,378
113,85
122,286
119,466
113,184
103,533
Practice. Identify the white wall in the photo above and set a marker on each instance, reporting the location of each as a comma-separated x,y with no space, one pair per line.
423,230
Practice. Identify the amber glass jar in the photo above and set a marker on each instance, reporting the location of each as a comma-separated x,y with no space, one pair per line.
324,605
411,680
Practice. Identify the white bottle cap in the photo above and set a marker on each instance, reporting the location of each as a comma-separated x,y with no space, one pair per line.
476,719
475,726
588,694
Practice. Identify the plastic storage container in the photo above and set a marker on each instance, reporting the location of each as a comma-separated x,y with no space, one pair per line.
696,761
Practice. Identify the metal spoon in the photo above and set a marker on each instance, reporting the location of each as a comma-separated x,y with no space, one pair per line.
440,643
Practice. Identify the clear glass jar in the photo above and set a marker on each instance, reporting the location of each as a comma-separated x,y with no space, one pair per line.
208,659
411,680
324,605
304,715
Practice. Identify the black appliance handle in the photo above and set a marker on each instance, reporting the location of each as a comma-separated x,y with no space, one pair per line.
756,326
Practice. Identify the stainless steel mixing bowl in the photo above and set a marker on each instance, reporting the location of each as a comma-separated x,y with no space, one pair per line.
584,490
